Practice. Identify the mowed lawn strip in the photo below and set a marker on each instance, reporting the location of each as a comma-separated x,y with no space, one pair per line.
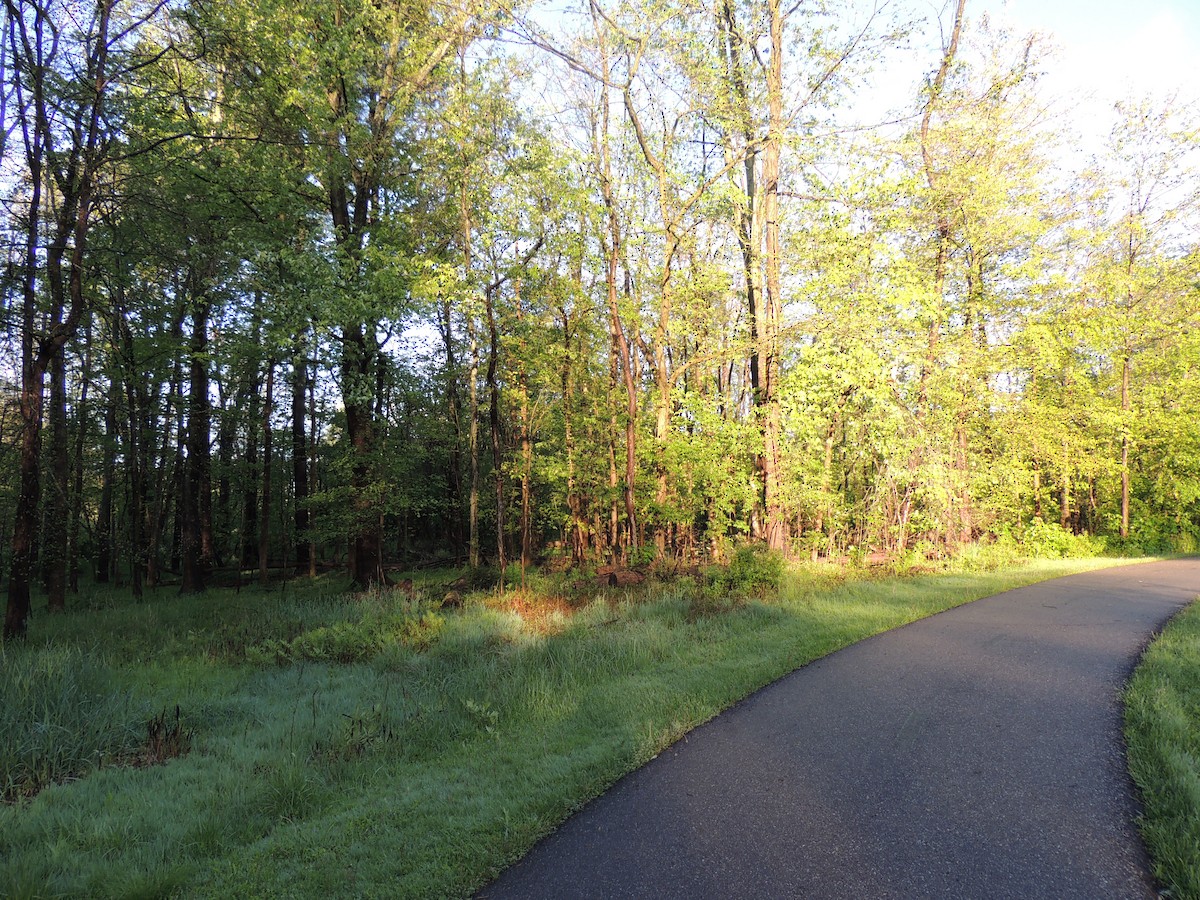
421,768
1162,728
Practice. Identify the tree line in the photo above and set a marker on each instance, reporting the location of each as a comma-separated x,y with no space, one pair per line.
367,283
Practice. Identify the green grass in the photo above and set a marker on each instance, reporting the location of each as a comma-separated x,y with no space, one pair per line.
1162,728
374,747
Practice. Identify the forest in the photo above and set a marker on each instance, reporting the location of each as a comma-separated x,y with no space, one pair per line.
366,285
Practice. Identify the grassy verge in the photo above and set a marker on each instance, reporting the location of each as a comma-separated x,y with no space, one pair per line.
379,746
1162,728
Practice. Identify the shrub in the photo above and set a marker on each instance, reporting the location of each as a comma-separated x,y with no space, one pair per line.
1049,540
755,571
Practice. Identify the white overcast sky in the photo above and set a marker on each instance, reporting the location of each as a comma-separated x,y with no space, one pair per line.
1104,51
1114,46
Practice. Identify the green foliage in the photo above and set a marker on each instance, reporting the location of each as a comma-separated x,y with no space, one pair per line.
1162,727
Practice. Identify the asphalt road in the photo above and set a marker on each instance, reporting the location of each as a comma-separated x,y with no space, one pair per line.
975,754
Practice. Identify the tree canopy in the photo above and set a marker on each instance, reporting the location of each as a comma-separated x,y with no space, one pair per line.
365,283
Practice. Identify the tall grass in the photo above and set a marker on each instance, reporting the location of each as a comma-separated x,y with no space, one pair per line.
60,717
421,760
1162,727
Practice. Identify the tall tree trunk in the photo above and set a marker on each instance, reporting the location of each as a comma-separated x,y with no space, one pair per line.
104,516
82,415
496,433
473,444
770,410
1126,362
196,549
942,236
614,479
750,228
454,536
941,249
366,544
264,522
526,425
33,43
314,480
173,426
251,474
304,546
179,503
226,434
251,477
16,620
575,534
135,447
733,50
1064,495
611,246
53,546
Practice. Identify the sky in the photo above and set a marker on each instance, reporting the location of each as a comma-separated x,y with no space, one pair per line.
1111,46
1103,51
1111,49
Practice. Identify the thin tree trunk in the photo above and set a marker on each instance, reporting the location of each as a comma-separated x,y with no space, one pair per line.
304,548
496,434
473,441
454,457
53,546
179,503
251,474
1125,409
575,529
76,499
614,480
942,237
1064,496
104,517
748,239
166,474
769,346
16,621
197,473
264,522
136,478
526,438
313,473
226,433
611,246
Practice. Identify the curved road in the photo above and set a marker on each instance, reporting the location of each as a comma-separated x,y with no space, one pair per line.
974,754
